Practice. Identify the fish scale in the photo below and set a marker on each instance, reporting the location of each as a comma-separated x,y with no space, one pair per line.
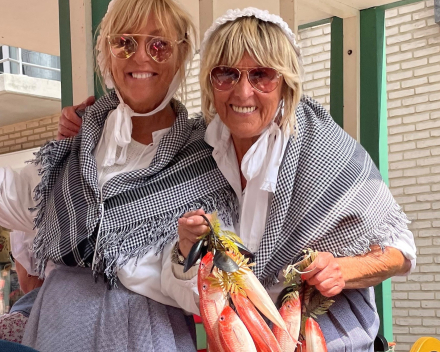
233,333
212,302
290,311
263,337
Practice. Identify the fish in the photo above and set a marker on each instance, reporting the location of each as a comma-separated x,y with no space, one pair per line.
263,337
290,311
314,337
233,333
212,302
261,299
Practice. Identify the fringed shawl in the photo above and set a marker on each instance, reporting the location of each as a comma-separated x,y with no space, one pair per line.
329,197
134,211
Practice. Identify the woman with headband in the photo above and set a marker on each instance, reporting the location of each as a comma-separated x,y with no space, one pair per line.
301,181
107,202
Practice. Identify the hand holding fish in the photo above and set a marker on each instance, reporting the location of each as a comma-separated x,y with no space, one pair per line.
190,227
325,274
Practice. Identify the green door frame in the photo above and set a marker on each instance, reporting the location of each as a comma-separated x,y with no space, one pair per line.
337,71
65,53
373,124
99,9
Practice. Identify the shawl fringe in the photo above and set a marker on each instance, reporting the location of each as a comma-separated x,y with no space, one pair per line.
46,159
384,234
161,230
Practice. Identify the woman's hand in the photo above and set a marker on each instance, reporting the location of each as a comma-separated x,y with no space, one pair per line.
325,274
331,275
70,123
190,227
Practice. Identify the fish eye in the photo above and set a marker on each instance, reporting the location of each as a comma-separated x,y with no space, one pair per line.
222,318
204,287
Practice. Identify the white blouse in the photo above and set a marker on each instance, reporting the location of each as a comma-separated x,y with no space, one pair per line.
152,275
260,167
219,137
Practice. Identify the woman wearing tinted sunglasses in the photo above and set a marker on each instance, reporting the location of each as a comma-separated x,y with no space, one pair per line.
301,181
107,202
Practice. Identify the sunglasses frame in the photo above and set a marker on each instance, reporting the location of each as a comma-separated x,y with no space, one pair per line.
247,74
147,45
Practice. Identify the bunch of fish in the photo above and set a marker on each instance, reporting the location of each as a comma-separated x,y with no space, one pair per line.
231,299
300,306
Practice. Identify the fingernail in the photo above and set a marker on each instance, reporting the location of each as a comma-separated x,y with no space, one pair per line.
190,221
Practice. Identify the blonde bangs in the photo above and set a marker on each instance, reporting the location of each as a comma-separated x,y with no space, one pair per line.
131,16
267,44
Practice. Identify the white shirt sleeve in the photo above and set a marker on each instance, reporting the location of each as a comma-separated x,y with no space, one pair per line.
404,242
16,197
152,276
179,286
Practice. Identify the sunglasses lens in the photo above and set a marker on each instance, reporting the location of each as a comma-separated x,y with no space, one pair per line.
160,49
224,78
264,79
122,46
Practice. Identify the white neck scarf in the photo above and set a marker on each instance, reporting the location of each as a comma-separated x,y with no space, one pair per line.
259,166
118,127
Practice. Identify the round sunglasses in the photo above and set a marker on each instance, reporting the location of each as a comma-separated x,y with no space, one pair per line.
262,79
123,46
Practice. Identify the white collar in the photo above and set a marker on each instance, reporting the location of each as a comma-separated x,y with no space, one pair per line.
260,167
118,127
257,157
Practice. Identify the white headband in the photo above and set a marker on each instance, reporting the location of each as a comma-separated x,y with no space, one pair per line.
264,15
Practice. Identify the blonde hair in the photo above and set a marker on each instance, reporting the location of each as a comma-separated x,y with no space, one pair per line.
266,43
130,16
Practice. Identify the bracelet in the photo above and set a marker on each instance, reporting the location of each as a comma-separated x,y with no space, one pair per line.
176,256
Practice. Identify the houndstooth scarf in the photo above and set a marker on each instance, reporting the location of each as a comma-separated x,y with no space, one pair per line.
329,197
136,210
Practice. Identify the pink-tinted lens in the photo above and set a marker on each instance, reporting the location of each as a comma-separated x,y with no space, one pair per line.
224,78
264,79
122,46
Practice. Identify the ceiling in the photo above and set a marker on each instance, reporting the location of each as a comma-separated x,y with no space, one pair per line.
30,24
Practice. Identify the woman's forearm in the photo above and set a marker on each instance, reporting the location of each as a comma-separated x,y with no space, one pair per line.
373,268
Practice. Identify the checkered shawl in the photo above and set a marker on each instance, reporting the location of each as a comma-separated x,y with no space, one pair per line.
329,197
134,211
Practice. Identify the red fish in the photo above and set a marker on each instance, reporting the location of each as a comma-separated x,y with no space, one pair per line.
212,302
291,313
263,337
233,333
314,337
258,295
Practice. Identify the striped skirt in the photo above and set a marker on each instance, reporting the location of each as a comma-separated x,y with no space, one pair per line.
72,313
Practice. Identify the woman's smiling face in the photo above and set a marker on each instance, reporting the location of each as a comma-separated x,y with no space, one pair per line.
141,81
244,110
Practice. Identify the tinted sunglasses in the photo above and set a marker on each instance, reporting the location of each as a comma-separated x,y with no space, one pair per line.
262,79
123,46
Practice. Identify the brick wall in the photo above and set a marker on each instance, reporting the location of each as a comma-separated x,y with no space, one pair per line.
413,65
193,101
315,44
29,134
